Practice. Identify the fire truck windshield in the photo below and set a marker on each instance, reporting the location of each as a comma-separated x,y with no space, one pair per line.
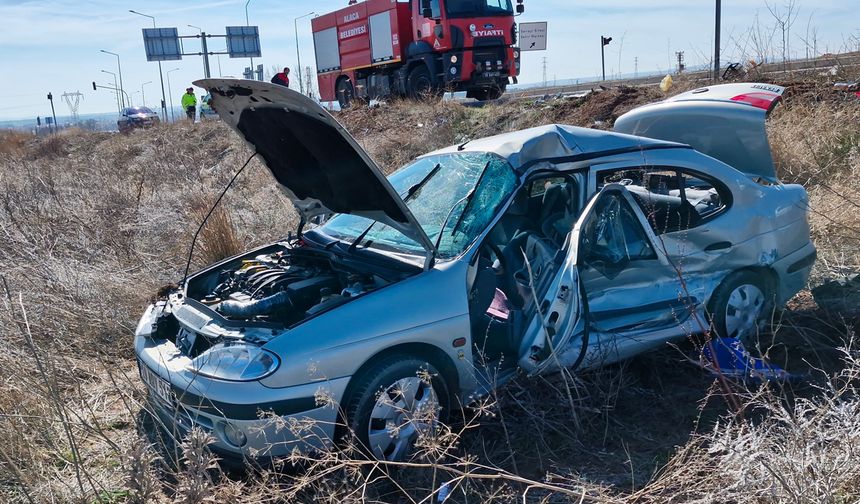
478,8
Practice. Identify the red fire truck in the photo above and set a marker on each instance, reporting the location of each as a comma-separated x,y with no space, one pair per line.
412,48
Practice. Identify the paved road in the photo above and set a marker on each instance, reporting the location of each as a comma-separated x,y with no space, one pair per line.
824,63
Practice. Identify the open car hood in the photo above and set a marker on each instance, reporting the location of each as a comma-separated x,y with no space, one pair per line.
726,122
320,167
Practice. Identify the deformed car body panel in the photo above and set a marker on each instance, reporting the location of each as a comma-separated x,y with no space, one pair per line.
727,122
320,166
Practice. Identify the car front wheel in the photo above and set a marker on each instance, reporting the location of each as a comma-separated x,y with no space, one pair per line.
393,403
740,307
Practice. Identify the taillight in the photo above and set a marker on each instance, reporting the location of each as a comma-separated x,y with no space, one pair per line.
765,101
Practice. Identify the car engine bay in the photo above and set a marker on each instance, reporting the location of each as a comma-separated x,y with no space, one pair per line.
284,287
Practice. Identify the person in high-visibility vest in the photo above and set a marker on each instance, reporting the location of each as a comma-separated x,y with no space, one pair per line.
189,103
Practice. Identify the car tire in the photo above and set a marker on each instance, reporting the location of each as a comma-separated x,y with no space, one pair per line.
740,307
419,84
385,421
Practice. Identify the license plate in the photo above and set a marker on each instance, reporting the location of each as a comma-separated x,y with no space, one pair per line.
158,385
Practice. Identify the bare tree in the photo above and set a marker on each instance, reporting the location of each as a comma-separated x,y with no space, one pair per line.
810,41
761,38
785,16
621,48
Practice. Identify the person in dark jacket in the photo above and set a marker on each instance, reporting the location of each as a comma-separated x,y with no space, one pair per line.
282,78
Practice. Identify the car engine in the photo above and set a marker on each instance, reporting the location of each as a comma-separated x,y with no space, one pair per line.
284,287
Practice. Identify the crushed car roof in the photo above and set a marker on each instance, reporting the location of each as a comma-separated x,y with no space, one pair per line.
555,141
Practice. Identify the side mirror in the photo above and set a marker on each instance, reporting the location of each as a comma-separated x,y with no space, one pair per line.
521,8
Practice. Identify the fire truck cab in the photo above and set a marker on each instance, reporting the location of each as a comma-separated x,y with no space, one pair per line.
416,48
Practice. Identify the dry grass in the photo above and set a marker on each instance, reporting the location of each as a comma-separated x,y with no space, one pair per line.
92,224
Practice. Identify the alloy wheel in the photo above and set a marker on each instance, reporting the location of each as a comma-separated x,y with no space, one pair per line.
402,412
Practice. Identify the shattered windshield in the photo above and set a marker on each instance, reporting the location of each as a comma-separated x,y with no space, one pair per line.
463,8
452,196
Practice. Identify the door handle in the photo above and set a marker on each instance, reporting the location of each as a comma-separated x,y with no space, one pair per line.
718,246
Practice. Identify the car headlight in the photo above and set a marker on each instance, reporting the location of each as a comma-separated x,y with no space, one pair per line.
146,327
235,361
454,59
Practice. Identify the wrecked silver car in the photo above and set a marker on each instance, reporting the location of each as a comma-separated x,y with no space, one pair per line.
547,247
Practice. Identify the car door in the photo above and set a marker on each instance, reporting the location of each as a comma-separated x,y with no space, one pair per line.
613,295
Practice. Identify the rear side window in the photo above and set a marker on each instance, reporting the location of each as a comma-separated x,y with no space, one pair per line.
672,199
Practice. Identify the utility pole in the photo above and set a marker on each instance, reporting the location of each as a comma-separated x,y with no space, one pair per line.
717,22
206,72
246,24
298,54
604,41
681,65
205,53
73,100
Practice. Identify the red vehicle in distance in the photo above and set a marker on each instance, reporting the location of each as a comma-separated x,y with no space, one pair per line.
412,48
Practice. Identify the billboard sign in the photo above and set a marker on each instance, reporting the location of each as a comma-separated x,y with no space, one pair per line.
162,44
243,42
532,36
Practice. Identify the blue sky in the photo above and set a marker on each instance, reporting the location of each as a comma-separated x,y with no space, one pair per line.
53,45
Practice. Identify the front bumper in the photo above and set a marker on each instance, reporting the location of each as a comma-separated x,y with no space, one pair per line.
273,422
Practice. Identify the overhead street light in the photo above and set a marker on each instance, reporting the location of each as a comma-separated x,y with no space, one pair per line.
119,69
143,93
160,75
170,93
604,41
118,108
298,54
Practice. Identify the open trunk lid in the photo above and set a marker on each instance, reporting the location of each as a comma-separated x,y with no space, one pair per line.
726,122
319,165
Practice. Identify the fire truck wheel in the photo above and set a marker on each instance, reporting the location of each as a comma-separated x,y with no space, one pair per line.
419,83
345,93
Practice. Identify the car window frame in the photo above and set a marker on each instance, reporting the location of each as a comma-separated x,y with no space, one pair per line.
725,194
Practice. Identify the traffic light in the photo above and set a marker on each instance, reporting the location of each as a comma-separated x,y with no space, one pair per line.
94,86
